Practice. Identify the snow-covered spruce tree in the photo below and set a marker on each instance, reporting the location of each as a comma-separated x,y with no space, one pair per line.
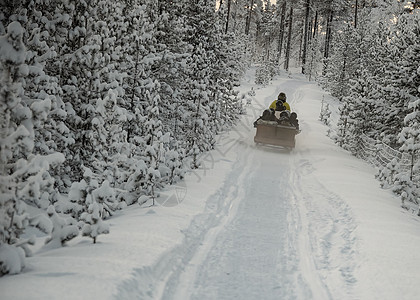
143,64
225,105
359,119
63,230
325,113
90,204
199,136
99,202
340,67
174,163
133,40
386,174
155,144
381,106
52,34
203,92
23,175
41,86
60,27
406,184
133,44
94,225
89,71
262,75
168,51
313,59
384,58
112,148
409,73
342,136
405,189
226,67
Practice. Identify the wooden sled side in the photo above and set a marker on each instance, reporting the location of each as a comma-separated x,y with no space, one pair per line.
276,135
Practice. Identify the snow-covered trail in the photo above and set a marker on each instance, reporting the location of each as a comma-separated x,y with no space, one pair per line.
253,222
288,236
245,258
271,230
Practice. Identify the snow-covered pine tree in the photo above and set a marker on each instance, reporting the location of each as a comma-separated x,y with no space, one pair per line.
42,88
386,174
63,230
359,121
383,58
199,136
94,202
340,66
155,143
341,137
167,70
93,223
226,67
53,34
112,148
133,44
405,189
325,113
202,35
313,59
174,164
89,72
407,180
409,72
24,176
262,75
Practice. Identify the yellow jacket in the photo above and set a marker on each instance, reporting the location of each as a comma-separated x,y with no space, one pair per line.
273,105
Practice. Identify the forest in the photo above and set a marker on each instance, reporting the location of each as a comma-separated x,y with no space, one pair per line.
103,103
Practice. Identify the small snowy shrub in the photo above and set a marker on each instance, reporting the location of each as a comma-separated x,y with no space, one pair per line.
63,229
12,259
93,224
105,196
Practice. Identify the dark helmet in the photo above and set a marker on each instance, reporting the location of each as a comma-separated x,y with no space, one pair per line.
282,97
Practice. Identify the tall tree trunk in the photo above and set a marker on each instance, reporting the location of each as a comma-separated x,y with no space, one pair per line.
315,25
328,34
227,16
281,33
355,14
305,35
289,38
248,18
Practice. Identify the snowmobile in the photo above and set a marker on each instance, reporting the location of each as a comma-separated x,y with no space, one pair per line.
277,128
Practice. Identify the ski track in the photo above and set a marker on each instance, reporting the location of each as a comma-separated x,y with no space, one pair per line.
326,241
291,239
162,279
246,258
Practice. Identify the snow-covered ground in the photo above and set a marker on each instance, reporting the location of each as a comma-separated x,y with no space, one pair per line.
253,223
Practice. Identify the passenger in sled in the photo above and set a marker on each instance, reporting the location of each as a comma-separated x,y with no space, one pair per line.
279,111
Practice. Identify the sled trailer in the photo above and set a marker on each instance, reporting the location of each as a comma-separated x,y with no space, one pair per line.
271,133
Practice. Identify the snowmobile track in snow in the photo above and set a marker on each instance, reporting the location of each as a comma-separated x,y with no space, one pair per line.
326,227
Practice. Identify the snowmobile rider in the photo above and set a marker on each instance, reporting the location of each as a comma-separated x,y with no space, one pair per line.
280,103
